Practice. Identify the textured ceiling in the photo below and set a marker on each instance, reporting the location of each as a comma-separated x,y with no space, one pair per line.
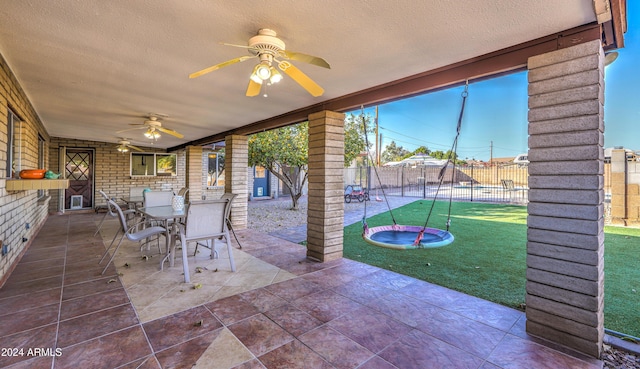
92,67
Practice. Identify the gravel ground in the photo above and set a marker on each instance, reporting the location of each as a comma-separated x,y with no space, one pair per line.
273,215
619,359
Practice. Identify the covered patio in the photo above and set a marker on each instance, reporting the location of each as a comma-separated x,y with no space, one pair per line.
76,76
279,310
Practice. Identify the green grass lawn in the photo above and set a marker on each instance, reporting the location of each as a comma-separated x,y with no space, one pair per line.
488,257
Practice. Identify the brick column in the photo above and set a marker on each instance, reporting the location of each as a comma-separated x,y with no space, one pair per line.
325,217
194,173
235,168
619,187
565,237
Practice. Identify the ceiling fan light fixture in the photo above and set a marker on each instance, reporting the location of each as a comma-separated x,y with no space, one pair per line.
122,149
152,134
254,77
275,76
263,70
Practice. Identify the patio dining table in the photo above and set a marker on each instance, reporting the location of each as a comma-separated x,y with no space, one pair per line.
166,214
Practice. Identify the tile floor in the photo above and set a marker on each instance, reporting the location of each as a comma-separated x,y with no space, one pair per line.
277,311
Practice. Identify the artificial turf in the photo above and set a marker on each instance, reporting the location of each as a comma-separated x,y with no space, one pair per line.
488,257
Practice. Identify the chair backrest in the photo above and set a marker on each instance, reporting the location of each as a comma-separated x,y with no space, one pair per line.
136,191
206,219
157,198
110,209
118,212
183,192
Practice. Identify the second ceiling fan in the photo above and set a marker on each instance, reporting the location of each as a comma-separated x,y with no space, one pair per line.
154,127
271,50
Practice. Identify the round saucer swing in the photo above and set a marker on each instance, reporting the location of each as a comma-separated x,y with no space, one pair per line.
410,237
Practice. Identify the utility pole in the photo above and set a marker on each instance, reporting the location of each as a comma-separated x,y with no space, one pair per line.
491,154
377,146
380,156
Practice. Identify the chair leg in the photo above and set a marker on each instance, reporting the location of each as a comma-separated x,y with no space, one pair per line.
100,225
111,244
211,244
230,251
113,255
185,262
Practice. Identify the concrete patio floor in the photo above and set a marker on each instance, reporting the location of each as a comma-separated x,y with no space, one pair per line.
278,310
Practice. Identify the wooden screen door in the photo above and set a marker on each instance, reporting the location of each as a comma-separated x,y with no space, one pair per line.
79,172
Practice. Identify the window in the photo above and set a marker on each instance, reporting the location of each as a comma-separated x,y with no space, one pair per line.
215,169
166,165
13,145
152,164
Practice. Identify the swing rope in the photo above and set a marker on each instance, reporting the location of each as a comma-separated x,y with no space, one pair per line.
452,153
365,227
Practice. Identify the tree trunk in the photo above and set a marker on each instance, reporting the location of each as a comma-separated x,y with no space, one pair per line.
290,177
294,201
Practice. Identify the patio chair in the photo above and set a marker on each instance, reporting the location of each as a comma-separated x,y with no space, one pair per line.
136,191
111,212
184,191
157,198
130,232
205,221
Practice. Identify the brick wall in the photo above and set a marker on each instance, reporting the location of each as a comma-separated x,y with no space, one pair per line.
17,208
112,170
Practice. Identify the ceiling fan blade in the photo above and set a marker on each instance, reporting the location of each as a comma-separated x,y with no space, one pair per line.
135,148
130,129
306,58
170,131
221,65
236,45
254,88
303,80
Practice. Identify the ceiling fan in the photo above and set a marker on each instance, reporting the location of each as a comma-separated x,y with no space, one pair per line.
271,50
124,145
154,127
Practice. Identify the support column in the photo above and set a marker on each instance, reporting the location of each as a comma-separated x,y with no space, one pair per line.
325,216
236,166
619,187
565,236
193,179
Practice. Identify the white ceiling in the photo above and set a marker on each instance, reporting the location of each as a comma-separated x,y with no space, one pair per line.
92,67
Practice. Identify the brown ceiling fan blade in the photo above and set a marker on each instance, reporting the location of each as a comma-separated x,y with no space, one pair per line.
221,65
303,80
254,88
170,131
135,148
306,58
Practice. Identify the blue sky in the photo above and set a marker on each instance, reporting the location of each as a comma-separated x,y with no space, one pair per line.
496,110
